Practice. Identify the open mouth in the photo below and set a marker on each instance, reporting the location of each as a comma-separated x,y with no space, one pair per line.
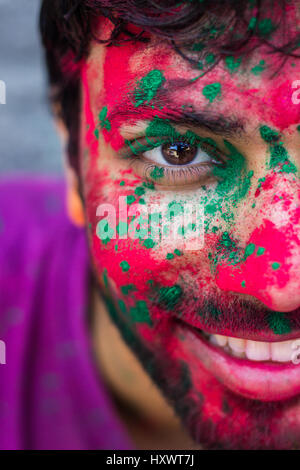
266,371
260,351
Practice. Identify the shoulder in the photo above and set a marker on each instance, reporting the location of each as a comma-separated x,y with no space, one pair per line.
36,237
31,210
27,202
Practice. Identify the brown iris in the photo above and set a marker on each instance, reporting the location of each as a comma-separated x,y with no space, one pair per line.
179,153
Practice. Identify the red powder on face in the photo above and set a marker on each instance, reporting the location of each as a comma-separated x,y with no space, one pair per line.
123,66
267,183
256,276
281,110
90,139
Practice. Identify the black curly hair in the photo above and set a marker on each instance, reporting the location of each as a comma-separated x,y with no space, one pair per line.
226,27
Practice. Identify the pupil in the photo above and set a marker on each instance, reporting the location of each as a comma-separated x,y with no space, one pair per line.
179,153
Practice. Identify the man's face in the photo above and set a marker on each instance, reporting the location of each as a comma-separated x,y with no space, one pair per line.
207,299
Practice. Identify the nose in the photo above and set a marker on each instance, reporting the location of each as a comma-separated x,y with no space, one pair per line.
267,266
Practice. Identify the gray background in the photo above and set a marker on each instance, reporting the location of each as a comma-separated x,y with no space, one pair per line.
28,141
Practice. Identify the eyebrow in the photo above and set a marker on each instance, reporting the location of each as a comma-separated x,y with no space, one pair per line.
216,123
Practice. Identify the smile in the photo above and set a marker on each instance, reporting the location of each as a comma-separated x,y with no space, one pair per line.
282,351
266,371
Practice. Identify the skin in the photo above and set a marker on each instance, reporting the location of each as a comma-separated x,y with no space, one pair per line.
226,286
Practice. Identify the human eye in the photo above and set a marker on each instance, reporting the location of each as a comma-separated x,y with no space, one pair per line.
185,160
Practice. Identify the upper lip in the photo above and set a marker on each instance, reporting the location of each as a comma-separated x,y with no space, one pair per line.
233,316
215,329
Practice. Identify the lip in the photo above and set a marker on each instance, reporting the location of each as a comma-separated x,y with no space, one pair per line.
237,332
264,381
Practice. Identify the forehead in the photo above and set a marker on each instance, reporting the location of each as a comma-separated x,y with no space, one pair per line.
255,88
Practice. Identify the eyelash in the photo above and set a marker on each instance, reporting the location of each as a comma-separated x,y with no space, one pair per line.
172,175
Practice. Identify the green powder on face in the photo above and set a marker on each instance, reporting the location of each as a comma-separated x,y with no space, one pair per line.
289,167
122,306
210,313
266,27
125,266
279,323
147,87
252,23
269,135
260,251
234,181
279,158
140,313
198,76
128,288
243,283
122,183
233,63
104,122
177,252
249,250
170,296
96,133
211,91
214,312
157,173
212,208
160,127
259,68
149,243
275,266
105,277
233,178
198,46
148,185
130,199
139,191
226,249
210,58
170,256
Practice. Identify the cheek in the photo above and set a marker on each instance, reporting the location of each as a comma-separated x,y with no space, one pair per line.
139,256
139,268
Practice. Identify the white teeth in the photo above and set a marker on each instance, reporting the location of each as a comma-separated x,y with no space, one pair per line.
237,345
282,352
255,350
221,340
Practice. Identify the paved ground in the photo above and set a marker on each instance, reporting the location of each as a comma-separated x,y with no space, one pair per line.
27,137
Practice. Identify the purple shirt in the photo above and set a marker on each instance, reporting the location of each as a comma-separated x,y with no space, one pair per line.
51,394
